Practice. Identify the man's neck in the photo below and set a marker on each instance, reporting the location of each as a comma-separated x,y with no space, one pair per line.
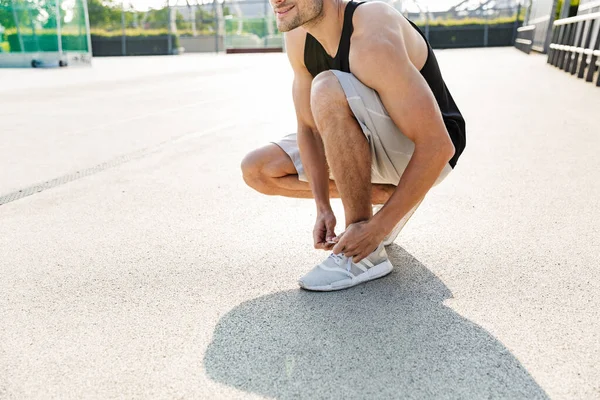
328,29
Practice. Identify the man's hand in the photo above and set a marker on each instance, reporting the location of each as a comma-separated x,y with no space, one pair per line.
324,230
359,240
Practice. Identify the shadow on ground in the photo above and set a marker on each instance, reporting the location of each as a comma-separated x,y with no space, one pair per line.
391,338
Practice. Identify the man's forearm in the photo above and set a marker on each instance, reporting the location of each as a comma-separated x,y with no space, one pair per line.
312,154
422,171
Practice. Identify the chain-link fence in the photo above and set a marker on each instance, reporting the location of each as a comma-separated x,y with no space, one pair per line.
215,26
201,26
117,28
251,24
248,24
470,24
180,25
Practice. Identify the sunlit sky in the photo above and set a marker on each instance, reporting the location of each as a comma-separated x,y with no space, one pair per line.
144,5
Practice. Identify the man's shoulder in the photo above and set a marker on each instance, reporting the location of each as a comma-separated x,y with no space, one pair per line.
374,25
294,45
374,12
381,31
375,20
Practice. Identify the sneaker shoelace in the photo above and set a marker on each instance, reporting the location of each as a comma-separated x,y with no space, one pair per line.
339,259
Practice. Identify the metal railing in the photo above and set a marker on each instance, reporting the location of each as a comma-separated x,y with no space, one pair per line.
524,40
575,46
485,27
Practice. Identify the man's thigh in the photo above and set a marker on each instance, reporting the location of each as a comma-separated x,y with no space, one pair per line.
391,150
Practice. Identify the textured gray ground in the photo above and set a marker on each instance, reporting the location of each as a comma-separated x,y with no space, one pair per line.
160,275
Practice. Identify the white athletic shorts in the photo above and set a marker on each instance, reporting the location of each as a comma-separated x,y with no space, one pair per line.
390,149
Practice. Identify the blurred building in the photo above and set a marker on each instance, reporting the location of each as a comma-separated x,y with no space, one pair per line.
478,8
588,7
461,10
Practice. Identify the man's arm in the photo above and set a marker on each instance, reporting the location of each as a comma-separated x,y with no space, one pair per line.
379,58
312,152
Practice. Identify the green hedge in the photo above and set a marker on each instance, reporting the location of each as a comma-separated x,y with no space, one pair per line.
190,33
469,22
442,27
47,40
129,32
4,47
135,34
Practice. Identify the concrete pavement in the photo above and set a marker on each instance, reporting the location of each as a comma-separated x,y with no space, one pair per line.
156,273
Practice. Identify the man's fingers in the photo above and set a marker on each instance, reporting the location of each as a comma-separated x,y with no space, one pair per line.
339,247
351,252
323,246
341,243
358,258
356,255
338,237
330,233
317,241
318,238
320,244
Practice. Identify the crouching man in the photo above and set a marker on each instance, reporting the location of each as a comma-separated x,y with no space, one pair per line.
377,127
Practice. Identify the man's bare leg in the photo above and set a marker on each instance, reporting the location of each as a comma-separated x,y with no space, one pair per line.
269,170
346,147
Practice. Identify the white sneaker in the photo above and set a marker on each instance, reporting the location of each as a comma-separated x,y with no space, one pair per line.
339,272
389,239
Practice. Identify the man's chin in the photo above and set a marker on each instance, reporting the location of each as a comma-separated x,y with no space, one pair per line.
289,25
284,28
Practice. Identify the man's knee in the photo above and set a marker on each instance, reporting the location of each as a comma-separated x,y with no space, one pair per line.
253,170
327,97
261,166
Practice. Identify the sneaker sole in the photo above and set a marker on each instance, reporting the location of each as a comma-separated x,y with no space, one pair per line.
378,271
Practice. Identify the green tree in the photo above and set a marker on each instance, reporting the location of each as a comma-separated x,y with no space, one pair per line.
157,19
204,19
6,15
104,14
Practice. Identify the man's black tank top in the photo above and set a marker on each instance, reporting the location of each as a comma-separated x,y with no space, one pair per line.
317,60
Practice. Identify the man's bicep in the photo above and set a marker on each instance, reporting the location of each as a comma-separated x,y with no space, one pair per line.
403,91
